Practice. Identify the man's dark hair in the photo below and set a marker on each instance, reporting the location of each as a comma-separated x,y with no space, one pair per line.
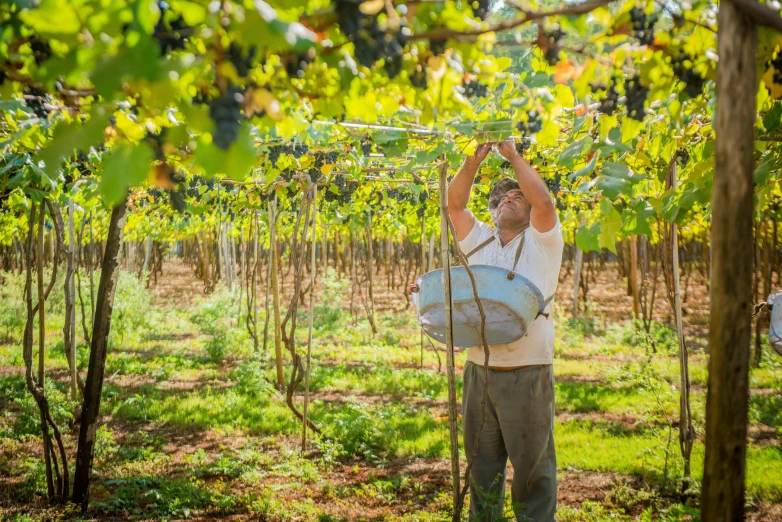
500,188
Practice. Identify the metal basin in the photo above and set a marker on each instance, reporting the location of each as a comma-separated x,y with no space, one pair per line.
510,305
775,326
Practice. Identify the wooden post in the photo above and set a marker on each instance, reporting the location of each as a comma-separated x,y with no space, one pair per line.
633,245
577,273
313,268
254,239
370,273
731,270
686,429
423,268
445,256
275,268
69,328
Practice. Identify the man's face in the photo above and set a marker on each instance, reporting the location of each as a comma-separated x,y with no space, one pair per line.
509,209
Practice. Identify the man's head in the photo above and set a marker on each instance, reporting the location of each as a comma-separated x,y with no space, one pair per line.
507,205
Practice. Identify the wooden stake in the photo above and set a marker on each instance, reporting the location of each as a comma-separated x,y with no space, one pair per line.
370,274
686,429
731,270
577,273
313,268
634,276
275,262
445,256
423,261
70,305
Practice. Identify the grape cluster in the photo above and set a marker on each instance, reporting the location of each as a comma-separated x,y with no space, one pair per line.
34,99
296,65
643,26
682,157
474,88
418,77
170,36
226,112
366,146
344,190
295,149
41,50
437,46
241,61
423,197
533,124
776,63
370,40
325,158
480,8
402,196
554,183
177,199
552,45
608,104
693,81
636,97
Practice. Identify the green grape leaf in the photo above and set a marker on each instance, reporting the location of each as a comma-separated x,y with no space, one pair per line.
142,61
617,179
127,165
575,150
773,118
52,17
71,136
610,225
263,28
635,219
587,237
236,162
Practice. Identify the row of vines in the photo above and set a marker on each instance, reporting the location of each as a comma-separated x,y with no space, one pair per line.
254,135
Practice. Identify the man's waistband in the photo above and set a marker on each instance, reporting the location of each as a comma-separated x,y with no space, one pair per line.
511,368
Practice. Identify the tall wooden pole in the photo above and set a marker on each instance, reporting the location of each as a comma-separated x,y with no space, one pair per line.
445,257
577,273
313,268
275,269
731,270
70,304
686,429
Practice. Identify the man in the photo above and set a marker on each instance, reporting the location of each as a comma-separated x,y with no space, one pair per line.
520,406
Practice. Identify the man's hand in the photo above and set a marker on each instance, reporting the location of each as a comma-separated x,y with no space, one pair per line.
481,151
507,149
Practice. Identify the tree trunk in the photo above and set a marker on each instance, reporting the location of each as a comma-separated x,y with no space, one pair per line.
42,346
731,274
97,365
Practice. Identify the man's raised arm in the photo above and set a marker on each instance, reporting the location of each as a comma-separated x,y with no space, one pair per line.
543,215
459,192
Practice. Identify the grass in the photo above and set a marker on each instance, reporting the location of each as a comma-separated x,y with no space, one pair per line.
198,429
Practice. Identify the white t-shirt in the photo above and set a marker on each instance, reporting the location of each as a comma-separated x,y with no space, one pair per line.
540,260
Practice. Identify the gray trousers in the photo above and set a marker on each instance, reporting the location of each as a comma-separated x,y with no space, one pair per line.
519,425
